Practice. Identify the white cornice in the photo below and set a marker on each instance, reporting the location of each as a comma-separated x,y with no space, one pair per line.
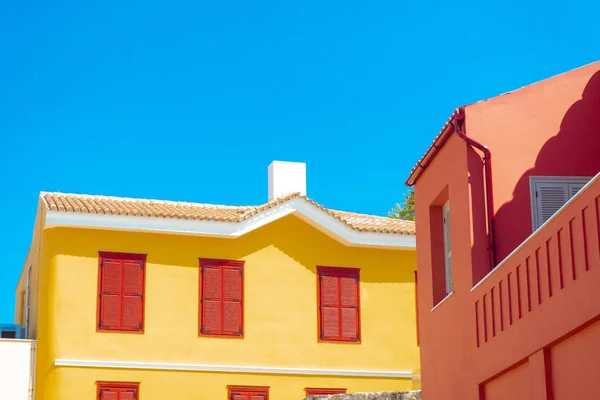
299,207
229,368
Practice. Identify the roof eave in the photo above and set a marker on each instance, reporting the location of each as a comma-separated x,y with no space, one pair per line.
439,141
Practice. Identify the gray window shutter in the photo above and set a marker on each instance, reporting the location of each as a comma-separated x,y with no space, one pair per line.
575,187
549,198
448,248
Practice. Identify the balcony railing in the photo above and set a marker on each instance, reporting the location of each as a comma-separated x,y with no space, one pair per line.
561,253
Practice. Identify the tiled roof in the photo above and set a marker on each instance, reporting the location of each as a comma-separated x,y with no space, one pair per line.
208,212
437,144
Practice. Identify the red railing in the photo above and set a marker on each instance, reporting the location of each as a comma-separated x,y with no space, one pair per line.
563,251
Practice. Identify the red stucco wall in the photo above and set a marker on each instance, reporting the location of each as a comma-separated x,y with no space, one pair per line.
499,338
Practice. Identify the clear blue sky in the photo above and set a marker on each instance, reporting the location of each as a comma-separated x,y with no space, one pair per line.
192,100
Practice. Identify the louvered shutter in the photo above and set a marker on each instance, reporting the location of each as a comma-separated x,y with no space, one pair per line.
448,248
133,301
232,300
239,396
330,307
349,307
211,300
575,187
108,394
127,394
258,397
110,294
549,197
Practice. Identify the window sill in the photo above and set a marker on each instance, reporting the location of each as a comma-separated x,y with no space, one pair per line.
442,301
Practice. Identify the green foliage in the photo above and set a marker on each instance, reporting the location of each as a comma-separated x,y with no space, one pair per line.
406,209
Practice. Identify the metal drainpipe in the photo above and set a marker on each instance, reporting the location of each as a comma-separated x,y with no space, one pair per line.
457,122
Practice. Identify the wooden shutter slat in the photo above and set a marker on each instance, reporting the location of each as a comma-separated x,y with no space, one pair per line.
132,277
239,396
132,312
258,397
349,323
127,394
329,291
331,322
212,300
110,311
232,300
348,295
108,394
111,276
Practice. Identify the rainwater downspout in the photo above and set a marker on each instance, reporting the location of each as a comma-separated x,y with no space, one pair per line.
458,122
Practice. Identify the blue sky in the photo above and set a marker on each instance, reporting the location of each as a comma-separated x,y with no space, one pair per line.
191,100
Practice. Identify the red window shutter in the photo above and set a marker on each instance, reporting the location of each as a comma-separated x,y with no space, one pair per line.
133,300
239,396
211,300
127,394
349,307
232,300
339,304
108,394
110,294
258,397
330,313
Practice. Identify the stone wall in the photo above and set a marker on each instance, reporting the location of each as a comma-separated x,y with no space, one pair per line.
407,395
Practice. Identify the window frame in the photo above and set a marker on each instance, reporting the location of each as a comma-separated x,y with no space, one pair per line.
203,262
117,385
323,391
259,390
534,180
102,255
338,272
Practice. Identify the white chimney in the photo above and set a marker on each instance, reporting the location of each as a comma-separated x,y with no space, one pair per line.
286,178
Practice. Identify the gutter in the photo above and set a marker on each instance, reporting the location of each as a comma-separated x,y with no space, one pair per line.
456,125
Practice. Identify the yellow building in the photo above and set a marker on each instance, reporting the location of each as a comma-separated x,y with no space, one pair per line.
144,299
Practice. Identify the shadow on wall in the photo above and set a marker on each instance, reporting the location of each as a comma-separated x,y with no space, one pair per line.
573,151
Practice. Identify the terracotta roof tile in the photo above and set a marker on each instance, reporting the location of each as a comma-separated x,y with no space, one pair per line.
208,212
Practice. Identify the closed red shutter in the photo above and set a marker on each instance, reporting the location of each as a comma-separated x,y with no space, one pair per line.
133,281
117,391
221,297
211,300
349,307
108,394
110,294
339,305
127,394
232,300
121,292
330,308
248,392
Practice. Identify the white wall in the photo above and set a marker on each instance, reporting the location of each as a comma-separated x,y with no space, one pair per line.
16,368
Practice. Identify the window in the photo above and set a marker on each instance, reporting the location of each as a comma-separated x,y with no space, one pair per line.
447,248
549,194
323,392
248,392
118,391
121,292
221,298
339,304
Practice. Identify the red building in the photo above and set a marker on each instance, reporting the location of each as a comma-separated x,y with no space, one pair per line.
508,246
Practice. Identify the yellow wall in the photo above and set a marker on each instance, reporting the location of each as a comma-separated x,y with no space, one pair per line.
280,307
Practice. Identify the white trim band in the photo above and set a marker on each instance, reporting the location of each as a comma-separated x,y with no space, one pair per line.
299,207
228,368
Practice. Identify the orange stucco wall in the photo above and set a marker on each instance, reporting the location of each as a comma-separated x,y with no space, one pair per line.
551,128
522,328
